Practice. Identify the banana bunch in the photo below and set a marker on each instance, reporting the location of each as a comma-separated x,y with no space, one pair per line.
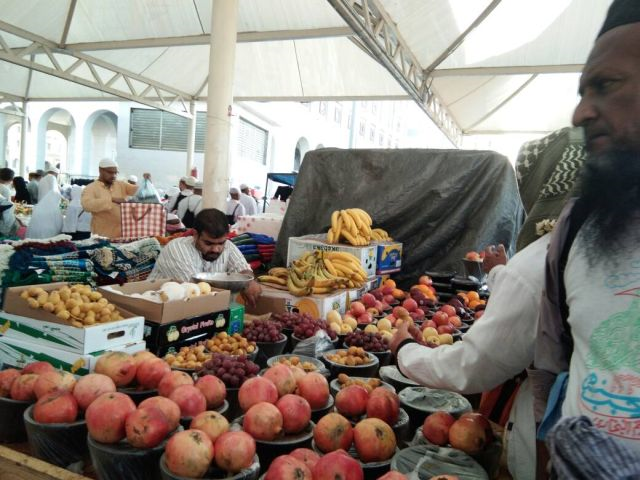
380,235
353,225
317,273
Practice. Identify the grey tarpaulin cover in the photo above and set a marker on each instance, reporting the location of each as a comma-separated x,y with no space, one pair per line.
439,203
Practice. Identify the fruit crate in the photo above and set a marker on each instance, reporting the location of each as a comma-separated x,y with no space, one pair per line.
15,463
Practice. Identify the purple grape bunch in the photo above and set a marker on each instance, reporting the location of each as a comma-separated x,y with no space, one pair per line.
263,331
371,342
231,369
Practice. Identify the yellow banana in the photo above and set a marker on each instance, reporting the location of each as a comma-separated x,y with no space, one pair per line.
321,290
278,272
335,217
297,280
350,238
278,287
365,215
361,219
329,266
297,291
349,223
344,256
272,279
337,230
331,236
357,221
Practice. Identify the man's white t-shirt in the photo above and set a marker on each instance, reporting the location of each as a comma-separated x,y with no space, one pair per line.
249,204
604,374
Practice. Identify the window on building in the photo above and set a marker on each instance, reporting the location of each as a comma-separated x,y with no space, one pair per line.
323,108
349,122
374,107
381,139
363,127
372,133
159,130
337,114
252,142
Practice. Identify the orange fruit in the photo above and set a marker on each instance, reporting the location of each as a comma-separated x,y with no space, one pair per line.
473,295
474,303
397,294
389,283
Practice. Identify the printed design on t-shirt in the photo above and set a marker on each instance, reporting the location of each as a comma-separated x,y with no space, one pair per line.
611,390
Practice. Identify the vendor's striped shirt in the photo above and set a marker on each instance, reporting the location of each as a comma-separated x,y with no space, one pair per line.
180,261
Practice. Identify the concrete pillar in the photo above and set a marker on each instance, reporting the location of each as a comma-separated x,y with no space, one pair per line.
224,29
191,139
23,141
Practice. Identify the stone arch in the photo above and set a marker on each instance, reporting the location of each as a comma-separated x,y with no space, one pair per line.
302,147
99,140
62,121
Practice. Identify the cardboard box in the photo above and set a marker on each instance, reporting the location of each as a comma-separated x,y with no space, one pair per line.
96,338
370,284
18,353
17,306
367,255
277,301
161,336
167,311
389,257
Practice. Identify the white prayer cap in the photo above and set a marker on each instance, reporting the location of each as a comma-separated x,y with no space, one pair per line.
108,163
133,178
244,186
190,181
198,185
53,170
234,190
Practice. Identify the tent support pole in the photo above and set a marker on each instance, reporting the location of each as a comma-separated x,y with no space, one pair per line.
191,139
224,28
23,140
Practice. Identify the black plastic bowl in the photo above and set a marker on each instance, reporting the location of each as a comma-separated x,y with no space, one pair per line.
317,363
250,473
12,428
420,402
318,413
138,395
334,385
266,350
268,450
384,358
295,340
58,443
121,460
222,410
368,370
392,375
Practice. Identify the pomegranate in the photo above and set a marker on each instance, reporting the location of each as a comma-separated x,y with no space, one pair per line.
383,404
333,432
38,368
170,409
448,309
6,379
189,453
337,465
149,372
146,427
90,387
315,389
22,387
235,451
374,440
119,366
436,428
56,407
256,390
393,475
213,389
483,421
298,373
56,381
308,456
142,356
263,421
352,401
171,380
212,423
286,467
106,417
190,400
296,413
467,435
282,377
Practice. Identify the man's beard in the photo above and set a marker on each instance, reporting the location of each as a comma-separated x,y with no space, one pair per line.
210,257
610,194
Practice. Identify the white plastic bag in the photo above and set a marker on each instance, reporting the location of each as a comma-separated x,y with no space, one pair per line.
46,219
147,193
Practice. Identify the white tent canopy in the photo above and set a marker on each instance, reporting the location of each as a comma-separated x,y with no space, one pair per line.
476,66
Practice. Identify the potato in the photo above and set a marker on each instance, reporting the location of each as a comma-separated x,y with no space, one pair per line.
65,294
111,307
25,294
48,307
63,314
71,303
76,323
54,297
75,311
95,296
58,307
33,291
43,298
85,307
103,301
85,299
105,318
33,303
76,296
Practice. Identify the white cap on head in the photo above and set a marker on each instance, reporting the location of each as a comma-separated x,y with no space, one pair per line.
234,190
53,170
198,185
184,179
244,186
190,181
133,178
108,163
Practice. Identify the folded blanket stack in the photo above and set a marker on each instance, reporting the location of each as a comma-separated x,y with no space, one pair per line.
257,249
127,262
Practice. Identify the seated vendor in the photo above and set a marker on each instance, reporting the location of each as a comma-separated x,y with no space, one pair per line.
207,251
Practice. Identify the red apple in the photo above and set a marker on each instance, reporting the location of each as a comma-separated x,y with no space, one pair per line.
429,323
357,308
365,318
425,280
455,321
410,304
448,309
445,328
419,312
368,300
440,318
387,290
